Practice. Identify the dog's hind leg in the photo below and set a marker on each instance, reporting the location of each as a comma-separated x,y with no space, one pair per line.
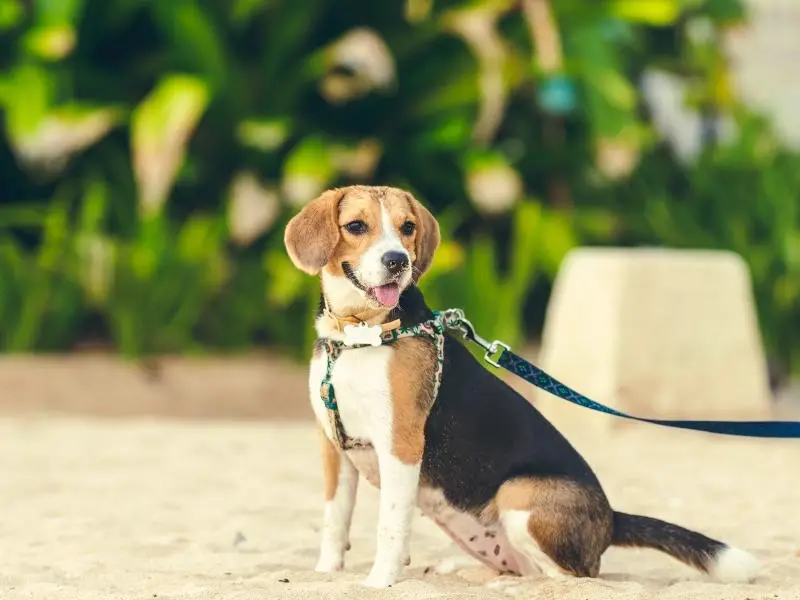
341,485
557,527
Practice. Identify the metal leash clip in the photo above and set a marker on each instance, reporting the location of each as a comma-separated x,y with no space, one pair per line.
456,319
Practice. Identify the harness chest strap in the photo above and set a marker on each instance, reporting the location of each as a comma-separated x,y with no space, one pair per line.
434,329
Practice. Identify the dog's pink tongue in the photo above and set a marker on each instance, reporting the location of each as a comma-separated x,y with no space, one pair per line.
388,294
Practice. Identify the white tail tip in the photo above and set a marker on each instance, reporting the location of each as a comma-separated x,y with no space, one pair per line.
732,565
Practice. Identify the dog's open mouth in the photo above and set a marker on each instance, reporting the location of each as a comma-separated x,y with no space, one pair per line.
387,294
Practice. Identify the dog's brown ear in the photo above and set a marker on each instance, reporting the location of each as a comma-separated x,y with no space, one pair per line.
312,234
428,238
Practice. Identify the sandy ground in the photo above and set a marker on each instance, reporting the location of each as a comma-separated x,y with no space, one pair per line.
101,509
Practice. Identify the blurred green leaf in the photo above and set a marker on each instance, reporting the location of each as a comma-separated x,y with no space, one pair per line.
652,12
307,170
242,11
11,14
51,42
58,12
286,284
161,126
198,47
263,134
26,93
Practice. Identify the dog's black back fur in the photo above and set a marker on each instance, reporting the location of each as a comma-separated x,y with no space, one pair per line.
464,454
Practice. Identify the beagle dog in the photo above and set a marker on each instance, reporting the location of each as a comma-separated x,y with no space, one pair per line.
459,443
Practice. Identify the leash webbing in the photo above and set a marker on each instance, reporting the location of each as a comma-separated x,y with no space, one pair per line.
534,375
523,369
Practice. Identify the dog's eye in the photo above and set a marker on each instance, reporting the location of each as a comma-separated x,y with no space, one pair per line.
407,228
356,227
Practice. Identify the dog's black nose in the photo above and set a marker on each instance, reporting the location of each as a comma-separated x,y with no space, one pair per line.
395,262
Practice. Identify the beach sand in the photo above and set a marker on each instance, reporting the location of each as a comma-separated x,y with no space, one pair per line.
143,508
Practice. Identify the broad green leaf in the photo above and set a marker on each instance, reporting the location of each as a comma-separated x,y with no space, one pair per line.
160,129
11,13
23,214
58,12
64,131
610,99
483,264
613,86
599,223
608,121
726,12
449,131
787,292
417,10
199,243
198,46
26,94
96,255
51,42
286,283
94,206
307,170
263,134
453,93
526,241
449,256
242,11
557,239
652,12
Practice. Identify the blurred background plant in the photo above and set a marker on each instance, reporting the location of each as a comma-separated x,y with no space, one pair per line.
151,153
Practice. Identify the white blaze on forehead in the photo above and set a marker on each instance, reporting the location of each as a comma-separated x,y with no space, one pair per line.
388,232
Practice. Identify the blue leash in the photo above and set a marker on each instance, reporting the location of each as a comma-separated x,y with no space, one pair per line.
534,375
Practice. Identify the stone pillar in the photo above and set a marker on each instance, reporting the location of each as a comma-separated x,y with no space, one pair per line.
656,333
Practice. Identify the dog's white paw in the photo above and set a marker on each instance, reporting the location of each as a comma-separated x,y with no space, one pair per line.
450,565
377,580
329,564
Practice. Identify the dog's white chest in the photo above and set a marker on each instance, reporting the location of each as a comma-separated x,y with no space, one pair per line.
360,380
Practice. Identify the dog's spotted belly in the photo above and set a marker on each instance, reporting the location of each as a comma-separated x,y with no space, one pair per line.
486,543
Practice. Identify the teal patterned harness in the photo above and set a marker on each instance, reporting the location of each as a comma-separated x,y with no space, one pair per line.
433,328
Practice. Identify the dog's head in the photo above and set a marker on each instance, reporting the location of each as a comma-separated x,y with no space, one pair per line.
368,243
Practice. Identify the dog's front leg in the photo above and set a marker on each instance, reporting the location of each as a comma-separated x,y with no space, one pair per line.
341,485
398,497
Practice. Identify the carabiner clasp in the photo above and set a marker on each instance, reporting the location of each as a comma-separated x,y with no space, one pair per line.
493,349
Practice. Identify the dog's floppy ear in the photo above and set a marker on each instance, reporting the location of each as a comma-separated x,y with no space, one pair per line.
312,234
427,240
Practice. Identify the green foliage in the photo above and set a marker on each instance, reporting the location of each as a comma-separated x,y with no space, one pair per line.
739,196
152,152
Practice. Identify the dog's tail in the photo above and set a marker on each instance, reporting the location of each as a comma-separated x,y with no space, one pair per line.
719,560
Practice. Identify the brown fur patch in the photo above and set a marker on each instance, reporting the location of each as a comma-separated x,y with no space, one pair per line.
411,379
312,234
331,462
427,238
570,522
